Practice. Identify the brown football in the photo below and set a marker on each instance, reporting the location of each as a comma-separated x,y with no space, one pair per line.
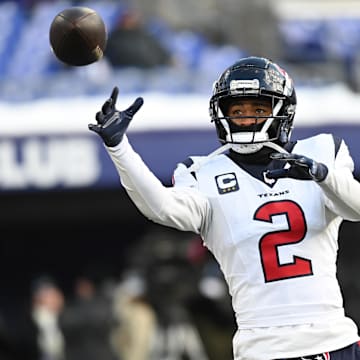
78,36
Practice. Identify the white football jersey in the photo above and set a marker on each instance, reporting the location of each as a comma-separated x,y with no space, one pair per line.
275,241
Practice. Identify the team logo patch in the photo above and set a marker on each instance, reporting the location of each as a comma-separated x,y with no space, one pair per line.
226,183
267,180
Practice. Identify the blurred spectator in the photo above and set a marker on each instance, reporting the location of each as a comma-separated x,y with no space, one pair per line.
131,45
87,321
47,304
29,326
170,292
137,320
152,301
154,323
250,25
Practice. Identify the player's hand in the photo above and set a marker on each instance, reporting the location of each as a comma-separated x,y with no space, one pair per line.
112,123
301,167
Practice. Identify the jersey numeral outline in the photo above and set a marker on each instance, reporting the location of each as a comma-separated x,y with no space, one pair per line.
270,242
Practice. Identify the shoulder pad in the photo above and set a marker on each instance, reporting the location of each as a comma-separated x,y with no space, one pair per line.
188,162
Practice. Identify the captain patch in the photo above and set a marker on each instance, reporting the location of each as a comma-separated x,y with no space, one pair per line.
226,183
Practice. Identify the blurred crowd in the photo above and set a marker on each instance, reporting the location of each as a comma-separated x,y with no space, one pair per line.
157,309
167,300
177,46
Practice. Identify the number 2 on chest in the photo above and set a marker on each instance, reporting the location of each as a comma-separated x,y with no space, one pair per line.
269,243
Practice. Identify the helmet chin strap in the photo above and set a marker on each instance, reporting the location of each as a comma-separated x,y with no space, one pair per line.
247,148
276,147
253,148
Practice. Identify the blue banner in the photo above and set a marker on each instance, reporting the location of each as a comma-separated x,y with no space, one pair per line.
81,161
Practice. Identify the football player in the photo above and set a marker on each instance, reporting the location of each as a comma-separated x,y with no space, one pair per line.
268,208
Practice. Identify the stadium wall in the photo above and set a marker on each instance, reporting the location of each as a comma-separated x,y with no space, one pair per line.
45,144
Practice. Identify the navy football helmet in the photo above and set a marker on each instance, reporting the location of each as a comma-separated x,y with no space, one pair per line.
254,77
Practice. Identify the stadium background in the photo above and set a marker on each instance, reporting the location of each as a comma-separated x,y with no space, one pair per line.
63,212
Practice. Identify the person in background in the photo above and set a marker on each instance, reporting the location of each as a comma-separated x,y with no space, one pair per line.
154,322
268,208
47,305
136,319
130,44
87,321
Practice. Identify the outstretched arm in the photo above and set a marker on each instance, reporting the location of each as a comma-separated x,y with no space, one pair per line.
184,209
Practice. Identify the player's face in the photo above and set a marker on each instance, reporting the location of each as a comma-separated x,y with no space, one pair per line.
251,107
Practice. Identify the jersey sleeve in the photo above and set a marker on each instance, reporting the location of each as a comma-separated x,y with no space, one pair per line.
183,208
341,189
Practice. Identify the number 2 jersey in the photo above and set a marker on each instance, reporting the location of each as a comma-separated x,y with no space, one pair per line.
275,241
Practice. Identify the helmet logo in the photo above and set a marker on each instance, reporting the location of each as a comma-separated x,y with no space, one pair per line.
244,86
288,87
275,80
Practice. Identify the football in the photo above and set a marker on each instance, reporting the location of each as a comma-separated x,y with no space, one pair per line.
78,36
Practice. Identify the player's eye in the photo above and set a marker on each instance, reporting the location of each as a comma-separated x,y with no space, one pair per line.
263,111
237,112
260,111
